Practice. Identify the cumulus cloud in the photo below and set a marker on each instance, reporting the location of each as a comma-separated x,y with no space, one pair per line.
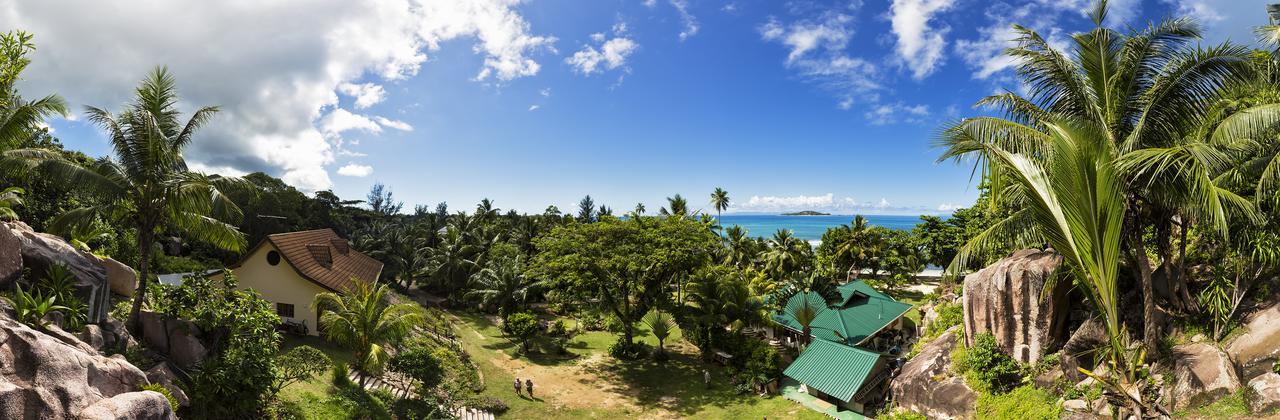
545,92
816,51
826,203
534,107
898,112
365,94
610,55
919,45
395,124
276,68
355,170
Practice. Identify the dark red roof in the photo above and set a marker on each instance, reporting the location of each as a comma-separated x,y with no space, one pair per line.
325,258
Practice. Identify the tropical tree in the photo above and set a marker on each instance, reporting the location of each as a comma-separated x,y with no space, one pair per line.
1147,94
451,262
720,201
150,188
786,255
676,206
502,285
804,298
20,118
364,320
9,199
660,325
587,210
740,249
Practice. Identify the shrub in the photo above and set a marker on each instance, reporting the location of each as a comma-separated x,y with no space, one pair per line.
173,402
1276,367
763,363
421,364
613,324
522,326
985,368
623,351
591,321
893,413
296,365
340,377
949,315
31,308
491,404
1023,403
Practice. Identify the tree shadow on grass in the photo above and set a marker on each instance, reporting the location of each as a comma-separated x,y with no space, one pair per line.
675,385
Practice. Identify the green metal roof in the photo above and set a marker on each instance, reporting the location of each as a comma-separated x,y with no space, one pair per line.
834,369
862,312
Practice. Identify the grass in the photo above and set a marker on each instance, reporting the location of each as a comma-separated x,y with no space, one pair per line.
1232,406
313,398
912,297
593,385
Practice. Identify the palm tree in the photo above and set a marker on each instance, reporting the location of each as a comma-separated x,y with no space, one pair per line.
676,206
452,260
20,118
1146,93
786,254
816,294
502,285
364,320
660,325
639,209
486,211
150,187
1076,200
719,200
740,249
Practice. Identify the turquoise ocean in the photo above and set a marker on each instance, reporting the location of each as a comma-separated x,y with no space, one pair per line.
809,228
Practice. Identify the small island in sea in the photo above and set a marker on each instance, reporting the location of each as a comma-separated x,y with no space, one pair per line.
807,213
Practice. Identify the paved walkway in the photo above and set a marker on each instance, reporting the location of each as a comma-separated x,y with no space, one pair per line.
791,390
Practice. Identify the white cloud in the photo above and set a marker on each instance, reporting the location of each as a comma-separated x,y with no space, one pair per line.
816,52
898,112
919,46
355,170
534,107
545,92
689,22
949,207
650,3
396,124
366,94
274,67
340,120
611,55
826,203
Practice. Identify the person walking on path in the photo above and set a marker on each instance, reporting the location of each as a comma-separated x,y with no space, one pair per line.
528,386
706,378
517,385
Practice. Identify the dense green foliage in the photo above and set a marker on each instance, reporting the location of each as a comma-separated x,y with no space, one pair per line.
521,326
239,331
1022,403
298,364
985,368
365,320
173,402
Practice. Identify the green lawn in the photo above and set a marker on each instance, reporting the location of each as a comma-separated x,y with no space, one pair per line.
312,398
593,383
912,297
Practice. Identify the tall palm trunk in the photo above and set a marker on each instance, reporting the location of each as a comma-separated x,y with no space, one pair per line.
146,238
1142,268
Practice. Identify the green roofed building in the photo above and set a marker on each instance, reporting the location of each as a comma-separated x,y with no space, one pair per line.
854,339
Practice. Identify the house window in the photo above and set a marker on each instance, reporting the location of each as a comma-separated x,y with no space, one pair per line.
284,310
273,258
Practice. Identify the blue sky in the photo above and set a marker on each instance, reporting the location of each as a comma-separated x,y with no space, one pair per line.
787,105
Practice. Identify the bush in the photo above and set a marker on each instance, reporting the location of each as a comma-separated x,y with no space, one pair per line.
985,368
296,365
591,321
522,326
949,315
173,402
421,364
1023,403
493,405
340,377
623,351
613,324
894,413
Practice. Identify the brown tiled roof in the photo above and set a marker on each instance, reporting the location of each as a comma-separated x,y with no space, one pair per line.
312,254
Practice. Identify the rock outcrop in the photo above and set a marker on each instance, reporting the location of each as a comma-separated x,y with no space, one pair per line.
1080,350
140,405
1255,351
122,278
175,337
161,374
924,386
54,375
1005,299
1201,374
1266,389
37,251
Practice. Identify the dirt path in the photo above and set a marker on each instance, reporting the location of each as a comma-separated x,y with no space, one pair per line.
568,385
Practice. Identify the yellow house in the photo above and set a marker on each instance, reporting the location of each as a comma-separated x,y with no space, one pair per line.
289,269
